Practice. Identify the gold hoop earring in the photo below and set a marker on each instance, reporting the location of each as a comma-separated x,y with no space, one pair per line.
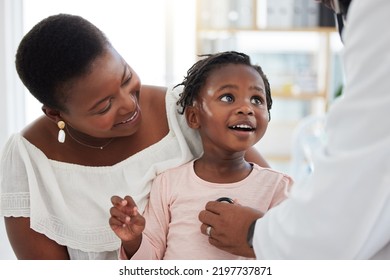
61,133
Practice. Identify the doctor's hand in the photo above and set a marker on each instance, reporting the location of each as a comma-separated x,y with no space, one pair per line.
227,226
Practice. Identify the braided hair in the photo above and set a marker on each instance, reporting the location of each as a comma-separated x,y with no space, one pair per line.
198,73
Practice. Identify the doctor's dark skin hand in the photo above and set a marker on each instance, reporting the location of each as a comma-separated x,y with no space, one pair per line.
221,217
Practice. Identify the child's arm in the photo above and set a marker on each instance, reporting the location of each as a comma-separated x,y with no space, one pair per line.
127,223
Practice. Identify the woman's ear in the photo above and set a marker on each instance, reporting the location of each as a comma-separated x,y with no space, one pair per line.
52,114
192,116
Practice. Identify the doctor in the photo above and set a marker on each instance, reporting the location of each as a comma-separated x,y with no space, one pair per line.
343,210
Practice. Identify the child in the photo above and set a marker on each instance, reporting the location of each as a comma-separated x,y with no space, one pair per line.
227,99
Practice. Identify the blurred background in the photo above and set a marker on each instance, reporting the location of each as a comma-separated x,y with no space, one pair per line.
294,41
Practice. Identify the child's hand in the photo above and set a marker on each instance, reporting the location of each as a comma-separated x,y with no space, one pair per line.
125,220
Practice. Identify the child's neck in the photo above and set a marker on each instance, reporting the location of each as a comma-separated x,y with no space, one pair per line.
222,170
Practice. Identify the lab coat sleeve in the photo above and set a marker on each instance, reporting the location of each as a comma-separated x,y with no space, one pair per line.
343,210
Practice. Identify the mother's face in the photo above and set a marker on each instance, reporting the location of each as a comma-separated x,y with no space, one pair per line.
104,102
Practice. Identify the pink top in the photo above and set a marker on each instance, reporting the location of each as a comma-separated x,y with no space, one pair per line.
178,195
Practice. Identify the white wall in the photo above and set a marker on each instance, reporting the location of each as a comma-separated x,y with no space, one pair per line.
11,91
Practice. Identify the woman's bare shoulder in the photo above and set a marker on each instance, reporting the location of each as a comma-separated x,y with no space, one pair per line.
151,93
152,101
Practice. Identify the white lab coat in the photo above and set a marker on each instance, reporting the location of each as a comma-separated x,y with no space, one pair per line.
343,210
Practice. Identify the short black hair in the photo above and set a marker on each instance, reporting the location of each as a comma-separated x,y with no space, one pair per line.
198,73
56,50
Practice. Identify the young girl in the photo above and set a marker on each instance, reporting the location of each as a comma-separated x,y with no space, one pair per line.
227,100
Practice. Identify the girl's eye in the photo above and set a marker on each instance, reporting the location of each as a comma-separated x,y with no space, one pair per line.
227,98
257,100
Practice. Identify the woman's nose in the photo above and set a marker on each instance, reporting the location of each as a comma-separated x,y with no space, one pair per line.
128,102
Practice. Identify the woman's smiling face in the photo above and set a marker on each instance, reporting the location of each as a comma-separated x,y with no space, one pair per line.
104,102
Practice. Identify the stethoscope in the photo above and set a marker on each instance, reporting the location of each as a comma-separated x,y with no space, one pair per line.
225,199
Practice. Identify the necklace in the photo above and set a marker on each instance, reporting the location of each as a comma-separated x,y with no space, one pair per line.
87,145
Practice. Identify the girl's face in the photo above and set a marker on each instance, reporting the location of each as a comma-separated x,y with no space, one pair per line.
104,102
232,108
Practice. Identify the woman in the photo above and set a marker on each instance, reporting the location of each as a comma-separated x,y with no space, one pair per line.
102,134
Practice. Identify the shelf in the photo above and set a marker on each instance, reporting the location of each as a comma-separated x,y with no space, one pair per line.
270,29
298,96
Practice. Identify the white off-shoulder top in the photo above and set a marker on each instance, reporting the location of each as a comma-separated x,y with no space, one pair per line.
70,203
